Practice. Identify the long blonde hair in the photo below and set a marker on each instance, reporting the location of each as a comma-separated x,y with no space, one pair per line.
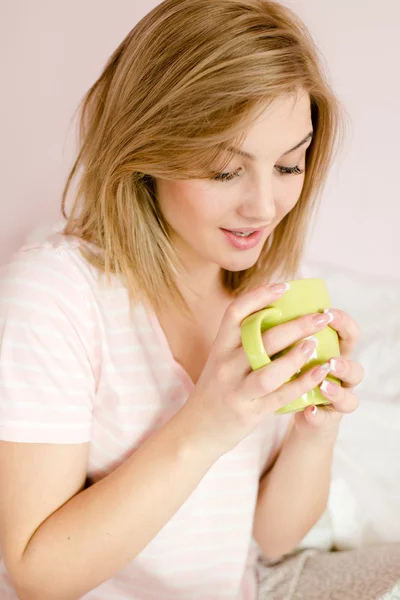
184,85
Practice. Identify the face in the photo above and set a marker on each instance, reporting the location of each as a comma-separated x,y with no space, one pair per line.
251,196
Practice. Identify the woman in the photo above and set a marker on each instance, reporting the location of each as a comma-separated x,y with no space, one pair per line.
139,454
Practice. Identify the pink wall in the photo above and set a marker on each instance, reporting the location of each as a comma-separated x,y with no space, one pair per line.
358,225
53,51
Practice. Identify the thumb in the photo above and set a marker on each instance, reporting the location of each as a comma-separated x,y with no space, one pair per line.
318,416
229,336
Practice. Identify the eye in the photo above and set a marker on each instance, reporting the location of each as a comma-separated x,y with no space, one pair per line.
282,170
289,170
226,176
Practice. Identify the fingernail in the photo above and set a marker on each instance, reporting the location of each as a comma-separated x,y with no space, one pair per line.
323,319
337,365
308,346
328,312
329,388
279,288
321,372
314,411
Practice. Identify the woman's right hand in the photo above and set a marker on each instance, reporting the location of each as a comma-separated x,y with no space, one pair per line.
230,400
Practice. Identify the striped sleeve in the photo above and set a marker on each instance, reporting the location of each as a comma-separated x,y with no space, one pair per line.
47,381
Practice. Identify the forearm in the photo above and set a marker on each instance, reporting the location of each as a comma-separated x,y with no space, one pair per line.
103,528
294,494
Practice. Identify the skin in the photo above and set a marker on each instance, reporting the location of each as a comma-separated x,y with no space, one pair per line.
260,196
49,521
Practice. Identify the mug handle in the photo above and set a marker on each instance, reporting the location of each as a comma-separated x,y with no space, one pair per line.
252,329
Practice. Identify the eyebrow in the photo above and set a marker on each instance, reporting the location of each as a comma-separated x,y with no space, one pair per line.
252,157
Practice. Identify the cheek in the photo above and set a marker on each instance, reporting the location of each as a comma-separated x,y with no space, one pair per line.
288,194
189,202
174,200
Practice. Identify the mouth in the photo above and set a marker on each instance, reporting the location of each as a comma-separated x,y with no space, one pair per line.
244,231
244,238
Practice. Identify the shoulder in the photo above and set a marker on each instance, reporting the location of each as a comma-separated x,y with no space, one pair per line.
50,271
48,349
46,286
53,260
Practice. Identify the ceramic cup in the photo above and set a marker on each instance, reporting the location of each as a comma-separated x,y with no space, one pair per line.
304,296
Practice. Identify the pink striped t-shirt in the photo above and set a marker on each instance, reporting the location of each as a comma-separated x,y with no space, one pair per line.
74,368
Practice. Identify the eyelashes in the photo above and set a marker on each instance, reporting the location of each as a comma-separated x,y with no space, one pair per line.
290,170
282,170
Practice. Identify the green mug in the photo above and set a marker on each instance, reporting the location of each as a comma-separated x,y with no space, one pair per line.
304,296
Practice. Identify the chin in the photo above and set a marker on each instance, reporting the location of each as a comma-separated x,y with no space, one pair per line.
240,262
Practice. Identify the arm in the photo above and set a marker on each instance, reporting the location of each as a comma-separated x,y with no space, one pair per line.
47,523
293,494
58,539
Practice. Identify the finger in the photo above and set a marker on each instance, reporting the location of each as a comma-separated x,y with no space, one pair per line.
343,400
290,391
228,336
347,329
282,336
318,416
349,372
270,380
297,358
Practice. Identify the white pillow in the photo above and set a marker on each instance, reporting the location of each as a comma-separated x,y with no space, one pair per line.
364,501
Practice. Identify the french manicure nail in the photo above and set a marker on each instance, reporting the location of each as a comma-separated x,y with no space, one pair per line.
321,372
337,365
308,346
329,388
322,319
279,288
328,312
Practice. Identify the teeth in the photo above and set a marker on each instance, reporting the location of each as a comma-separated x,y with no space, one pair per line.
240,234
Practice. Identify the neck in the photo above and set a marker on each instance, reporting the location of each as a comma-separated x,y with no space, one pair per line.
200,282
200,285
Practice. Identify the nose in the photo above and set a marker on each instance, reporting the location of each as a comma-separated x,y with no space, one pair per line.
259,206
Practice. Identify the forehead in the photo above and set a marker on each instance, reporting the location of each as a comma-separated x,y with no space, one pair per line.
280,126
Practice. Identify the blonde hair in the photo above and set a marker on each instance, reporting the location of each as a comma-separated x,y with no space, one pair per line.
184,85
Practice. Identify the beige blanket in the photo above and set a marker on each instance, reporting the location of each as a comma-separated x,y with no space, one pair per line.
370,573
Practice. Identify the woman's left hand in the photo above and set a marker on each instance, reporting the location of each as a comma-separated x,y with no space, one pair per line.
343,399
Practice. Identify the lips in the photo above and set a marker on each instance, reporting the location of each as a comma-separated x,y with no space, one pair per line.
245,229
243,242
